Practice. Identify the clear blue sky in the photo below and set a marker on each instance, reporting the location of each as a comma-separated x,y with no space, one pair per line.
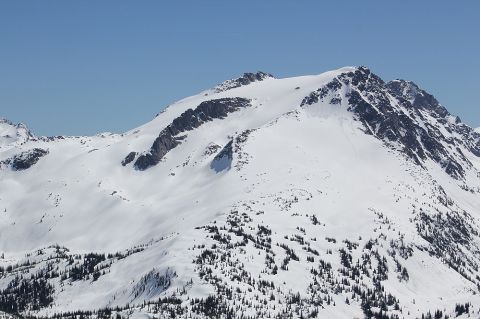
83,67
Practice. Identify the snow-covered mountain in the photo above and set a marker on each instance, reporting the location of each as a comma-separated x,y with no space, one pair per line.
336,195
13,134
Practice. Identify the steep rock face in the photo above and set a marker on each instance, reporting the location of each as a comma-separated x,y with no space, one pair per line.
245,79
427,103
321,93
417,97
129,158
404,117
190,119
25,160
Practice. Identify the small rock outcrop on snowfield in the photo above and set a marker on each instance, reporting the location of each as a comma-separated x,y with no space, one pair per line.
169,137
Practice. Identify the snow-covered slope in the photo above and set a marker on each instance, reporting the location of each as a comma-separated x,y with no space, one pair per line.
333,196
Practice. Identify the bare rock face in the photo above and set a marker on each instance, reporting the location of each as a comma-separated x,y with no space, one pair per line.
129,158
170,137
25,160
416,96
412,125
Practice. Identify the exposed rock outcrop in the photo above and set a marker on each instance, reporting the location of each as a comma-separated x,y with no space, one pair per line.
404,117
245,79
24,160
170,137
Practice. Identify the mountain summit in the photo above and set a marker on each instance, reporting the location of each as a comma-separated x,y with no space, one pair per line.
13,134
336,195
